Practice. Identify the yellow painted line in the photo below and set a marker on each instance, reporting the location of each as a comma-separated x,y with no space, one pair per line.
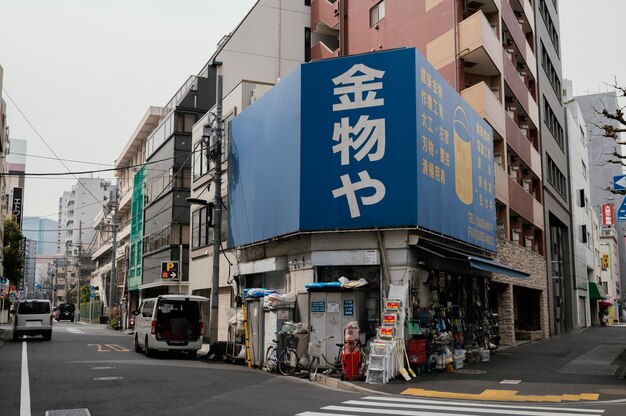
502,396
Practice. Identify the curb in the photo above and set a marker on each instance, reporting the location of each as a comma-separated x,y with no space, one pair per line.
346,386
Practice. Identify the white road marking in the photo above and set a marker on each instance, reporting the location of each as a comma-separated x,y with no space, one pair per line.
108,378
25,389
75,331
103,368
421,407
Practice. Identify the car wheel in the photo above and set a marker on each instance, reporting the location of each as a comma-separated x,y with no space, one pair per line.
137,346
48,335
16,336
149,352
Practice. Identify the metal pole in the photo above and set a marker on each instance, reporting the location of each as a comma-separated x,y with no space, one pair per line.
80,246
113,279
217,212
180,261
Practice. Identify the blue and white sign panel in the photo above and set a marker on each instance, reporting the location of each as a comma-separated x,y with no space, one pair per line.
619,183
621,212
373,140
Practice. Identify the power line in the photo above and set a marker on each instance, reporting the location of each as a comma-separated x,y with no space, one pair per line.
66,160
46,143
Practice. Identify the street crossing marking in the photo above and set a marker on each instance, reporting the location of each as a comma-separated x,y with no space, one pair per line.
75,331
108,347
403,406
503,396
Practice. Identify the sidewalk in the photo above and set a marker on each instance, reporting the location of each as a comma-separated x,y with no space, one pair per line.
578,366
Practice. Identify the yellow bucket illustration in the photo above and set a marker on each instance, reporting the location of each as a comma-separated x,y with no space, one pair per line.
463,157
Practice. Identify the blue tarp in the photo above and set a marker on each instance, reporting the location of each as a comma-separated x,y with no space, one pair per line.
322,284
257,292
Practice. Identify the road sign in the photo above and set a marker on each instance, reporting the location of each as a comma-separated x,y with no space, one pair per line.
619,183
169,270
621,212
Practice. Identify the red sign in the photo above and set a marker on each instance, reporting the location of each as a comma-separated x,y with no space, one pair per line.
392,305
608,215
389,319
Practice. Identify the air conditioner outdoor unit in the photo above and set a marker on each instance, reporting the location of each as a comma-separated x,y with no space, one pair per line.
515,235
513,171
526,185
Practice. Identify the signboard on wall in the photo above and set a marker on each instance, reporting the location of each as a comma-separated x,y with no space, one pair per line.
605,262
608,215
365,141
17,208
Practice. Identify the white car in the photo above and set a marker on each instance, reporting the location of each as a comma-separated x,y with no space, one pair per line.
170,322
32,317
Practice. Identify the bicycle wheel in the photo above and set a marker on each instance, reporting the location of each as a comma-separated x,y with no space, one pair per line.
287,362
363,365
270,359
315,363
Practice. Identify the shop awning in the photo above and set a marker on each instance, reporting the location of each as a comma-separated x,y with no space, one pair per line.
596,292
475,262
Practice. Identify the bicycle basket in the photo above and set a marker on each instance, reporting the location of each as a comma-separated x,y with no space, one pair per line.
291,341
315,350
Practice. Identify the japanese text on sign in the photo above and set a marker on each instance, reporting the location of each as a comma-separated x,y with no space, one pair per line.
357,88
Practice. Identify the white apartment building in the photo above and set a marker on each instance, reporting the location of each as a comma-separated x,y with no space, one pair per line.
582,213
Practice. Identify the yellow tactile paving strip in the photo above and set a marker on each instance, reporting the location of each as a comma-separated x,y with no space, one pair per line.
503,396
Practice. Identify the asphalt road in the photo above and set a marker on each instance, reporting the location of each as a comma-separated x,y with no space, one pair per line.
89,367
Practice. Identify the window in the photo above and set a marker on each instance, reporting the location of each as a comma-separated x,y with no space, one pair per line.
377,13
582,197
552,122
307,44
553,76
583,234
199,160
307,2
556,178
200,223
545,14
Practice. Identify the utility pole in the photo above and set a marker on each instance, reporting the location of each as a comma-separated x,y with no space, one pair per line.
112,281
80,250
216,152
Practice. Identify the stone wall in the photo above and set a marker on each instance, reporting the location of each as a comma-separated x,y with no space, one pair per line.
520,258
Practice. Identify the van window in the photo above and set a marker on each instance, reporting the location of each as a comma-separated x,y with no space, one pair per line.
32,308
187,309
146,310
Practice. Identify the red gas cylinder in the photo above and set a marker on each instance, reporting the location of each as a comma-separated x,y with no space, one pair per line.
350,363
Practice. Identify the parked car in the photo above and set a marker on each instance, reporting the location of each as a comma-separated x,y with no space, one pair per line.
32,317
170,322
66,312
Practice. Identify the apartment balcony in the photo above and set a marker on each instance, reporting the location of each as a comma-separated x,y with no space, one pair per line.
101,251
529,13
525,204
124,233
517,33
516,84
125,200
482,99
321,51
516,139
480,46
502,183
325,12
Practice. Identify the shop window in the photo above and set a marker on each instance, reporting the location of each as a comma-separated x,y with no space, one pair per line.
333,273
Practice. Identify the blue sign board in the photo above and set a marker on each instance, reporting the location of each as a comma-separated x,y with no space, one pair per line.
318,306
619,183
621,212
365,141
348,307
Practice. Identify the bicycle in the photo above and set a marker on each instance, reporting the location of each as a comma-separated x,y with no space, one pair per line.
286,361
316,351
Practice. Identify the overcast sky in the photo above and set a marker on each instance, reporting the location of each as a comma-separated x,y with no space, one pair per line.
84,72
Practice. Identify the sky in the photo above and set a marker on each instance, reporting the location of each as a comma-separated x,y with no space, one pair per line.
80,74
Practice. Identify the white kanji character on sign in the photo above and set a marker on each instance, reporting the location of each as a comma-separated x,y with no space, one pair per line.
362,137
358,81
349,189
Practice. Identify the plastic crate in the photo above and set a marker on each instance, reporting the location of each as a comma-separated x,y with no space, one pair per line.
377,362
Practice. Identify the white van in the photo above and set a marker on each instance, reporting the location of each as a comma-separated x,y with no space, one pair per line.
32,317
170,322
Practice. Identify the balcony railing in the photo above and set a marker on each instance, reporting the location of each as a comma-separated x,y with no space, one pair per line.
480,45
482,99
